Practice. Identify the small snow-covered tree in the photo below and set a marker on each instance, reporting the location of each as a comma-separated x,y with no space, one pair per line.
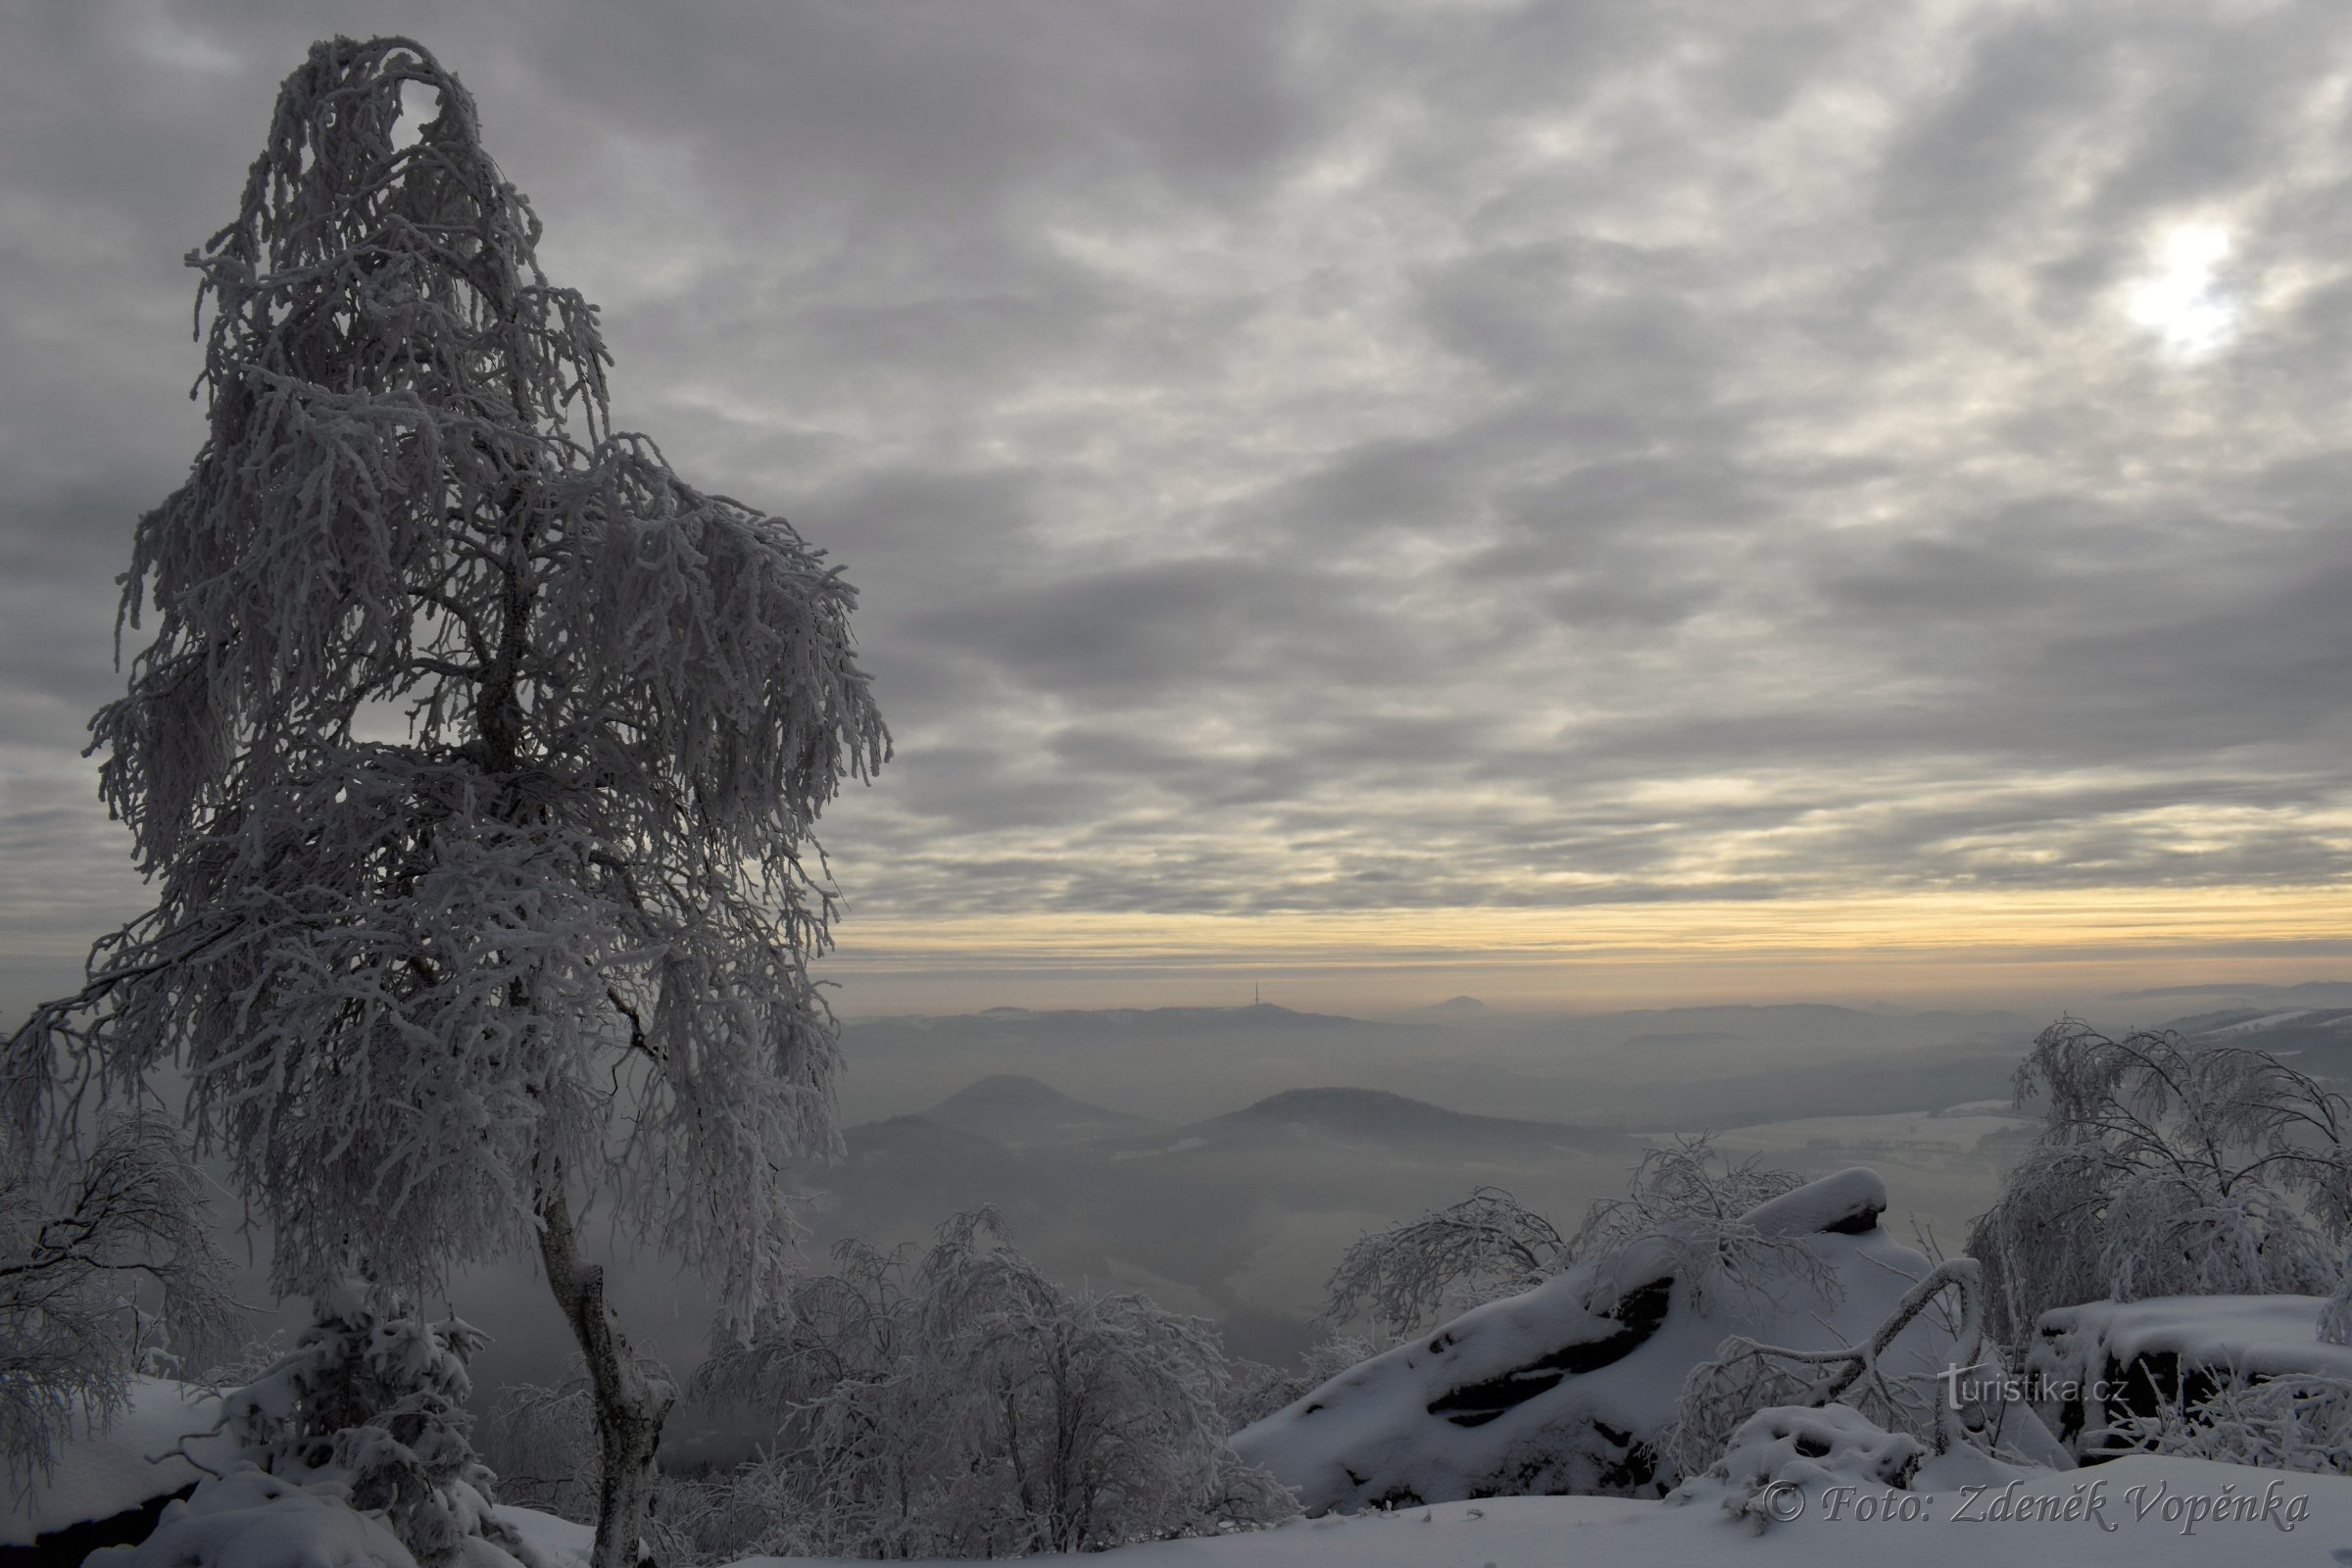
107,1268
1489,1245
1686,1212
475,755
2167,1167
371,1401
960,1403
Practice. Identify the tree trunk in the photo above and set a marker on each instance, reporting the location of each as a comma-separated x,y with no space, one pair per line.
631,1402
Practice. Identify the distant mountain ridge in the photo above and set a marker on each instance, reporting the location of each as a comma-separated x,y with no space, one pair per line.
1015,1109
2315,993
1375,1116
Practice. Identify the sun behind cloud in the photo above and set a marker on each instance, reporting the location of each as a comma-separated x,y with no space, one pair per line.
2181,298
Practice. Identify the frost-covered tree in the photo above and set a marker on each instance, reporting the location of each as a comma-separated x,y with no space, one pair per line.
2167,1167
959,1403
475,755
107,1270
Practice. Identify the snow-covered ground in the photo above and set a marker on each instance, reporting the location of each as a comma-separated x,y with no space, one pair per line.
132,1460
2133,1513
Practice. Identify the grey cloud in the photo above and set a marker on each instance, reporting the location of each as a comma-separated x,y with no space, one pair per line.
1338,455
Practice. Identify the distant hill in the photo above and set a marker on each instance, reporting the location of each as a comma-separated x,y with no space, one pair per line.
2318,1040
2307,993
1375,1118
1016,1111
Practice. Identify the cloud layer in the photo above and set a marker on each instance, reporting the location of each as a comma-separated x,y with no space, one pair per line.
1321,457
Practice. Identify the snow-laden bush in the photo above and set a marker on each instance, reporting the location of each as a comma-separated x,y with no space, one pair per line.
365,1413
1712,1223
2167,1167
958,1403
2336,1314
1448,1261
540,1440
107,1270
1811,1447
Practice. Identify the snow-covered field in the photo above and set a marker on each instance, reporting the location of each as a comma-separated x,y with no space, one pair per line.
2135,1513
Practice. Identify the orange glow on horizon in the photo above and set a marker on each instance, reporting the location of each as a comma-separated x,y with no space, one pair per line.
1947,945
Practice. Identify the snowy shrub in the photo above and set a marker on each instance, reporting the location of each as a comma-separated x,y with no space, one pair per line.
1808,1447
2335,1315
107,1270
959,1403
2167,1167
1740,1228
370,1405
540,1441
1448,1260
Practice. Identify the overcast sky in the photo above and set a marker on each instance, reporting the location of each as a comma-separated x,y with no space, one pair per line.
1453,483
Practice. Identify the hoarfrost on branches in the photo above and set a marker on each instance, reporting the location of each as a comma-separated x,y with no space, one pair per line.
959,1403
431,994
1689,1213
2167,1167
107,1270
540,1440
1720,1397
1448,1260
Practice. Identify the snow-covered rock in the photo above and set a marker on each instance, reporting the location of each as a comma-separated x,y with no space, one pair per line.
246,1519
1571,1386
2103,1361
127,1467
